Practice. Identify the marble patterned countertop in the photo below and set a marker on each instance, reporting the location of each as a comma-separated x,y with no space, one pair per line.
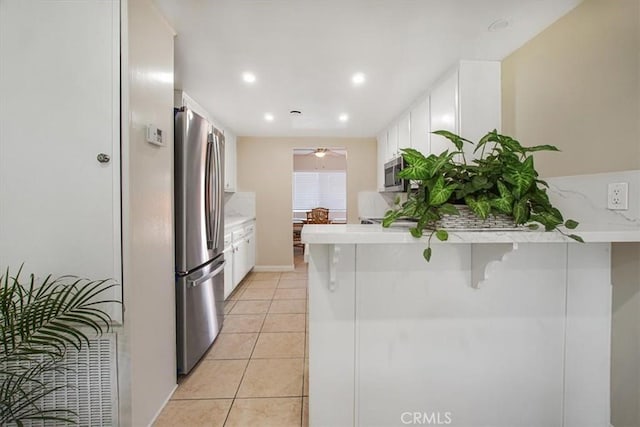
376,234
235,220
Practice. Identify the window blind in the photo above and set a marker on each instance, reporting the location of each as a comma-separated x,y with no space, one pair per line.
320,189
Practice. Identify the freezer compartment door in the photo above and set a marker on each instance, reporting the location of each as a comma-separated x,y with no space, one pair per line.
200,312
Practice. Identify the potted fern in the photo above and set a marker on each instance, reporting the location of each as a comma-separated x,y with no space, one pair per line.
500,187
39,322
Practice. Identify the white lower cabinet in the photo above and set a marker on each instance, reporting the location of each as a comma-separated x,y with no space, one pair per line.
240,249
239,254
228,266
251,247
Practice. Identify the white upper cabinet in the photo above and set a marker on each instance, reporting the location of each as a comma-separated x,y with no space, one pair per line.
404,132
392,142
479,100
420,126
467,101
230,162
382,158
444,112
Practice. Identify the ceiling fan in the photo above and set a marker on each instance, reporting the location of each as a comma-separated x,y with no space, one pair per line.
321,152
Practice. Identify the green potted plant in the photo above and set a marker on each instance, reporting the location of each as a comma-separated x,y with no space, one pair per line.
501,182
39,322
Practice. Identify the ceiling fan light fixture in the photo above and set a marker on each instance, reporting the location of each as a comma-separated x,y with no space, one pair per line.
320,152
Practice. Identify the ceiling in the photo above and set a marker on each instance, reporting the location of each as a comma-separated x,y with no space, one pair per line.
304,53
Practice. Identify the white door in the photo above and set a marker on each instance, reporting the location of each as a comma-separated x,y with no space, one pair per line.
59,110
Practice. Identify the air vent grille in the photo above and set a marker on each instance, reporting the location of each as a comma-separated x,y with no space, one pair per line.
91,385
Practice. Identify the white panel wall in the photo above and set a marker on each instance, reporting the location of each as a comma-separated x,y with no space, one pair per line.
148,355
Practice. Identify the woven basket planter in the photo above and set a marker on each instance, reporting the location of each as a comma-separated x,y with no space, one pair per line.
467,220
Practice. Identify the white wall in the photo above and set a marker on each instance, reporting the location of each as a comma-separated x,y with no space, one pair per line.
147,371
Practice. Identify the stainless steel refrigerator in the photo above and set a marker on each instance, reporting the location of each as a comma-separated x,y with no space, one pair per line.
199,231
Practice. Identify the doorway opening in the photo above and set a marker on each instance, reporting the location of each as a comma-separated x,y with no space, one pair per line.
319,189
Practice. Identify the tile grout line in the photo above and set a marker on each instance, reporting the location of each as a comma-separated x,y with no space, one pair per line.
244,372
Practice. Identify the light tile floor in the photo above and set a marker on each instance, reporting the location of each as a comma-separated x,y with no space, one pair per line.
256,373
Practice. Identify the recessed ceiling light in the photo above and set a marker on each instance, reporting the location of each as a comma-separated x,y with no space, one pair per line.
248,77
343,117
268,117
498,25
358,79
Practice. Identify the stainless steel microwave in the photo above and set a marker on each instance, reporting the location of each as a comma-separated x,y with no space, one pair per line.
391,180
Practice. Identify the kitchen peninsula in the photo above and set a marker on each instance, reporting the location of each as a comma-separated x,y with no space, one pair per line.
500,329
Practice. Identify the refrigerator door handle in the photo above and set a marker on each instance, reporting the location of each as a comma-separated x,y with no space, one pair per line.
208,192
219,165
208,276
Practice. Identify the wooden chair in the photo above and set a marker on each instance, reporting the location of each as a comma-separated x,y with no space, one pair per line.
318,216
297,232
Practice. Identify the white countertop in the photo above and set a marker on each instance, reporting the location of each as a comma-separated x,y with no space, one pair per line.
232,221
376,234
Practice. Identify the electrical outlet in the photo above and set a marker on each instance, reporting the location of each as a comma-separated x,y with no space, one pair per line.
618,196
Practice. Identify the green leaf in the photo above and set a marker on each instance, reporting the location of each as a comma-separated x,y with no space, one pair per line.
448,209
521,176
571,224
440,192
540,198
411,155
504,203
427,254
491,136
416,232
541,182
480,182
389,218
509,144
418,170
540,148
442,160
521,212
576,238
442,235
481,207
457,140
396,201
548,219
533,226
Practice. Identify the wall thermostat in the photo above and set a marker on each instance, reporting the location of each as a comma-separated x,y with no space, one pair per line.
154,135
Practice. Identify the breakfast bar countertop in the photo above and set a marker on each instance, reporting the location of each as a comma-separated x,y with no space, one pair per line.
376,234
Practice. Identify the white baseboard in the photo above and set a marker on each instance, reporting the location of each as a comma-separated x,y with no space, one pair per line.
155,417
272,268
